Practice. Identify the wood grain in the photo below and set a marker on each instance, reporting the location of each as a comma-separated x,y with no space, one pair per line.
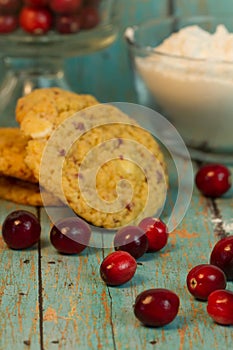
54,301
50,301
19,304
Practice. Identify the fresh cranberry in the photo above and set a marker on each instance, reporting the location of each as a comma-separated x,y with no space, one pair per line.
156,307
131,239
21,229
213,180
37,3
8,24
9,6
118,268
91,2
35,20
90,17
156,232
222,256
70,235
65,6
204,279
67,24
220,306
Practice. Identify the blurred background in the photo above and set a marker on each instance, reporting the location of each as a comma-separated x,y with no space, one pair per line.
106,73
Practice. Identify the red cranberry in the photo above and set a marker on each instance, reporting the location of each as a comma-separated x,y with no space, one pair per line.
156,307
70,235
204,279
213,180
222,256
36,3
90,17
156,232
67,24
9,6
131,239
118,268
65,6
35,20
8,24
21,229
92,2
220,307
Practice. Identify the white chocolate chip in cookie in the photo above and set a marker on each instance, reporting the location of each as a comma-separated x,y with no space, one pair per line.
36,127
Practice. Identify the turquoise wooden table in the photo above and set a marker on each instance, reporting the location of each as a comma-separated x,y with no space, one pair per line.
54,302
51,301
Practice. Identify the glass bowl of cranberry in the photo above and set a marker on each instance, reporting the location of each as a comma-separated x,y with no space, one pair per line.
36,36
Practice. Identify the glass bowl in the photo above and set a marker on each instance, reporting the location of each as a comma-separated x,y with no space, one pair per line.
195,94
37,61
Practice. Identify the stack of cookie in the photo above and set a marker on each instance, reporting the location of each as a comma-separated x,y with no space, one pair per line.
17,180
91,157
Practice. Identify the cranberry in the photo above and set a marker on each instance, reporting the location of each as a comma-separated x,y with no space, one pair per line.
8,24
66,24
118,268
156,232
204,279
21,229
70,235
9,6
65,6
35,20
92,2
156,307
37,3
213,180
131,239
220,306
222,256
90,17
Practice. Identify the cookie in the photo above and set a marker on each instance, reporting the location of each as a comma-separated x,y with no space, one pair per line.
22,192
41,111
12,154
109,170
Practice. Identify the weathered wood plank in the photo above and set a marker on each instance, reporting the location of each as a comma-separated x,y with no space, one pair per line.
221,213
189,245
19,310
80,311
76,305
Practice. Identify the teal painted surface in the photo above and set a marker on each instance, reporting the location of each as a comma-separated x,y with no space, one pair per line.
60,302
76,310
106,74
19,321
195,7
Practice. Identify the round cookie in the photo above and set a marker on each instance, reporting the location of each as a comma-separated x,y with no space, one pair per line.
108,169
22,192
12,153
41,111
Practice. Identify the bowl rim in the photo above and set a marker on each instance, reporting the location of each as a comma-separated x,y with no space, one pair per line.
129,36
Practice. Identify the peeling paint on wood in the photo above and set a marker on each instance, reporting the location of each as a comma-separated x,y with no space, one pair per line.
79,311
51,301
